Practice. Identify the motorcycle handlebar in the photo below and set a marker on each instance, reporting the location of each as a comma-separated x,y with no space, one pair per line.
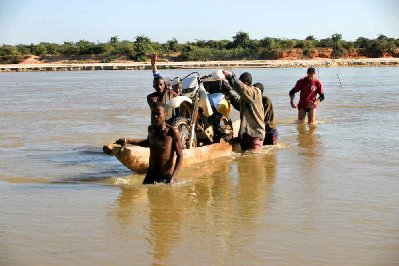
198,75
191,74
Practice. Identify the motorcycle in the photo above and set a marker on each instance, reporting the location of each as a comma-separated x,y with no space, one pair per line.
202,112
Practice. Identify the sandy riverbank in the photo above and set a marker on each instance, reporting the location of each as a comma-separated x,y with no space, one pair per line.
208,64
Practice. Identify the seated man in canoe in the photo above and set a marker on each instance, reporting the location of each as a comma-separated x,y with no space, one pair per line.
164,142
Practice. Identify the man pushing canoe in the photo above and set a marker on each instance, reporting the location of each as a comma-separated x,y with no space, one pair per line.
164,141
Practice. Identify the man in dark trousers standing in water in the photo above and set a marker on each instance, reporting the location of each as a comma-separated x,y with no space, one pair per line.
271,132
252,125
164,141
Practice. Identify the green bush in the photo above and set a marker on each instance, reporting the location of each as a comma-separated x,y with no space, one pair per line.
305,44
24,49
87,48
240,47
40,50
142,48
191,53
339,51
391,47
241,40
12,59
361,42
172,45
52,48
123,48
287,44
70,48
267,43
375,48
272,54
348,45
307,53
8,50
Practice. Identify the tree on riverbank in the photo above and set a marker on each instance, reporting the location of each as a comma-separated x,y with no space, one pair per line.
241,47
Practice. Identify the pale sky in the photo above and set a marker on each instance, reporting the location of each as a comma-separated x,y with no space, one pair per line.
34,21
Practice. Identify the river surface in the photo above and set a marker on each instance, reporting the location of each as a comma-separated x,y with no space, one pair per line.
325,195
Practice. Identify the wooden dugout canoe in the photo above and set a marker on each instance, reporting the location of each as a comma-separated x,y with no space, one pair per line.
136,158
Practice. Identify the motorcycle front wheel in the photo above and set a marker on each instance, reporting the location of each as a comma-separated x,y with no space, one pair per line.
225,130
183,125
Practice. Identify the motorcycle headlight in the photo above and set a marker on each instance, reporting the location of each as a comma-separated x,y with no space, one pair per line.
188,90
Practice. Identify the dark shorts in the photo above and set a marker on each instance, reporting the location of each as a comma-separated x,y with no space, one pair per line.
271,137
152,179
250,143
307,110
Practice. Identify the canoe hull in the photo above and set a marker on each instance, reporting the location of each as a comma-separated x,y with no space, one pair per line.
136,158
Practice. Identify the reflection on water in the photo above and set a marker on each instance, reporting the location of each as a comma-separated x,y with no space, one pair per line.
256,177
308,142
165,219
222,200
174,209
129,197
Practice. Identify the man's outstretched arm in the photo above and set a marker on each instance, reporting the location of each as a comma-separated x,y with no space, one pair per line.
137,142
246,93
234,100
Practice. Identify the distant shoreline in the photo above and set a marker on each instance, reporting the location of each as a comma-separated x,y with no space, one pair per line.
365,62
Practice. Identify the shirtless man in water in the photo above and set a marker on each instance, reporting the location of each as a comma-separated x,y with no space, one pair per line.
164,141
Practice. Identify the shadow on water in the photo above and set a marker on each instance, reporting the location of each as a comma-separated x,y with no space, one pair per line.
78,156
77,165
94,166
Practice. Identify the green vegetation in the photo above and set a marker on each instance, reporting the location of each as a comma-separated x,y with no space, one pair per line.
239,48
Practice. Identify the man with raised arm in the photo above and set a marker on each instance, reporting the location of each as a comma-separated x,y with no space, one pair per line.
164,142
174,85
162,93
